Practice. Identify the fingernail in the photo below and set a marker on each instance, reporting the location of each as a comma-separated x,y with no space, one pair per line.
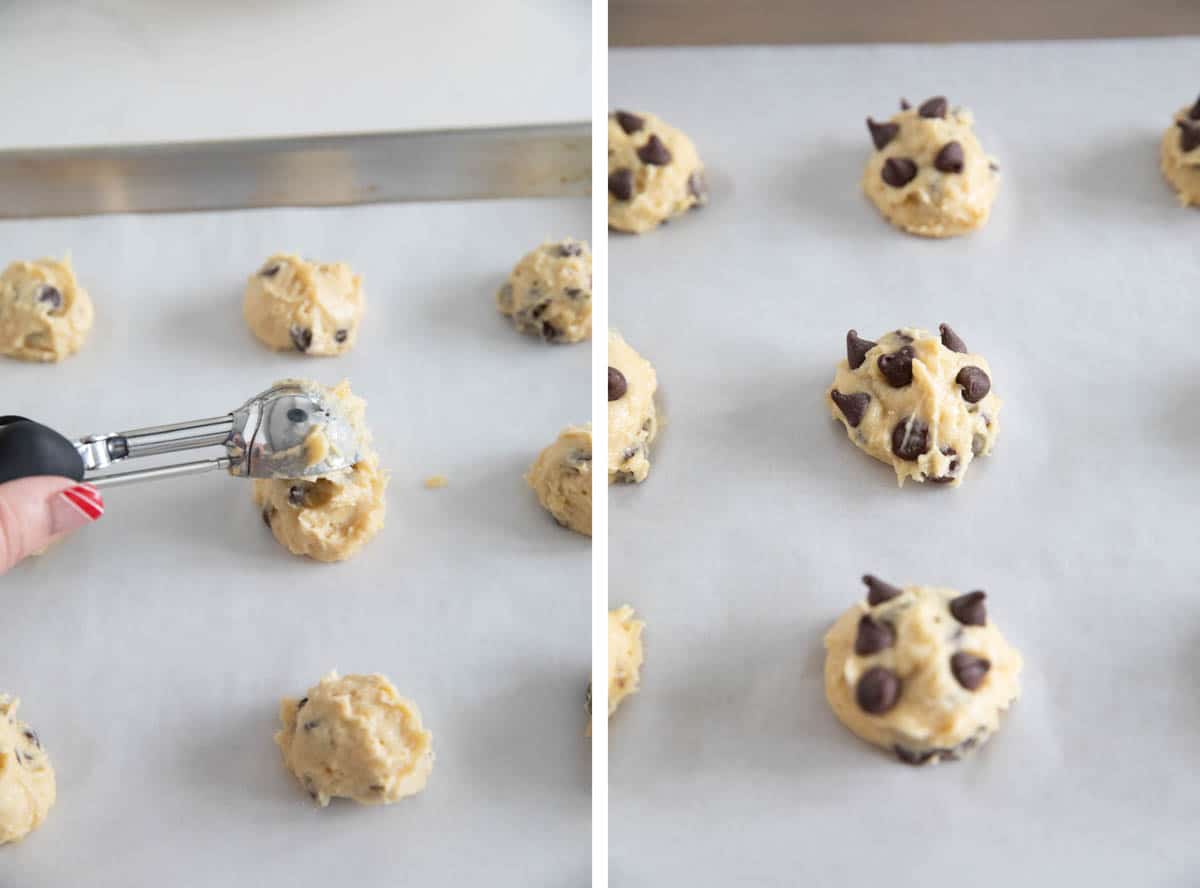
75,507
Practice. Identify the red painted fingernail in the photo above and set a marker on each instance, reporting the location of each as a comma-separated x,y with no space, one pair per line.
75,507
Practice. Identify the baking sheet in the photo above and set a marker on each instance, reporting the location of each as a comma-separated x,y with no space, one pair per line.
759,516
151,650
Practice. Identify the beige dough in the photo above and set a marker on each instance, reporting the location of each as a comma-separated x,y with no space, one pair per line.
632,418
27,789
562,478
295,305
919,416
920,181
624,655
920,671
44,314
654,173
329,517
1181,155
549,293
355,737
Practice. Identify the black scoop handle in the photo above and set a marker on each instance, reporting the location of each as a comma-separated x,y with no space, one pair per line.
28,449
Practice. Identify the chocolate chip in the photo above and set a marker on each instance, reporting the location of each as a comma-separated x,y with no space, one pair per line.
882,133
878,591
376,787
301,338
620,184
697,186
551,333
856,349
341,335
33,738
897,367
975,384
878,690
1194,114
951,340
952,468
573,292
898,171
270,271
617,384
970,609
912,756
51,296
630,123
904,105
296,495
1189,136
969,670
910,438
568,249
853,407
934,108
654,152
873,636
950,158
309,725
300,705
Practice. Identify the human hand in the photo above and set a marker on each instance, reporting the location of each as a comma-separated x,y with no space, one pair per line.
35,512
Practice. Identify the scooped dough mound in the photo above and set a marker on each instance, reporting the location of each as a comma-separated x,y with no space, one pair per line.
292,304
562,478
624,655
27,788
1180,155
654,173
632,416
44,314
549,293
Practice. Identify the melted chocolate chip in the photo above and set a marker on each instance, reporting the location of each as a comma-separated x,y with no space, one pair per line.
873,636
878,690
897,367
568,249
341,336
969,670
878,591
270,271
950,158
1189,136
617,384
898,171
698,186
951,340
934,108
910,438
882,133
296,495
620,184
301,338
970,609
856,349
853,407
51,296
630,123
975,384
654,152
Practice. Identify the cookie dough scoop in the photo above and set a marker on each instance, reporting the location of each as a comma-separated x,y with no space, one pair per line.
292,430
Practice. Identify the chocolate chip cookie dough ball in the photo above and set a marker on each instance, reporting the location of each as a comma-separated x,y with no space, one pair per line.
928,174
44,314
920,670
1180,155
625,655
295,305
549,293
920,403
27,789
654,173
562,479
355,737
632,417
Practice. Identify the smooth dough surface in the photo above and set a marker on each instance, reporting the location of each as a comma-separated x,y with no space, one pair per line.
625,655
27,788
562,478
953,200
654,173
926,429
355,737
934,715
632,417
292,304
1180,155
328,517
44,314
549,293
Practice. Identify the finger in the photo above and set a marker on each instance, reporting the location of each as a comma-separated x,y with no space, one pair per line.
35,512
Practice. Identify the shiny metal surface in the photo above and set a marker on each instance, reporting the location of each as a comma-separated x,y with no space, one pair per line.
530,161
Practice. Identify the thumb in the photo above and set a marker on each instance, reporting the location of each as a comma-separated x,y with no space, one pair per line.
35,512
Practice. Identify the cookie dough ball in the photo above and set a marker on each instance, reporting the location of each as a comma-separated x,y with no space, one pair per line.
624,655
921,403
328,517
295,305
1181,155
654,173
928,174
562,479
549,293
27,789
355,737
919,670
44,314
632,418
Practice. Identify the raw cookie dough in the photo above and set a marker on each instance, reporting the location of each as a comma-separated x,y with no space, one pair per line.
328,517
355,737
1181,155
928,174
549,293
562,478
920,671
923,405
624,655
654,173
27,789
295,305
44,314
632,418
